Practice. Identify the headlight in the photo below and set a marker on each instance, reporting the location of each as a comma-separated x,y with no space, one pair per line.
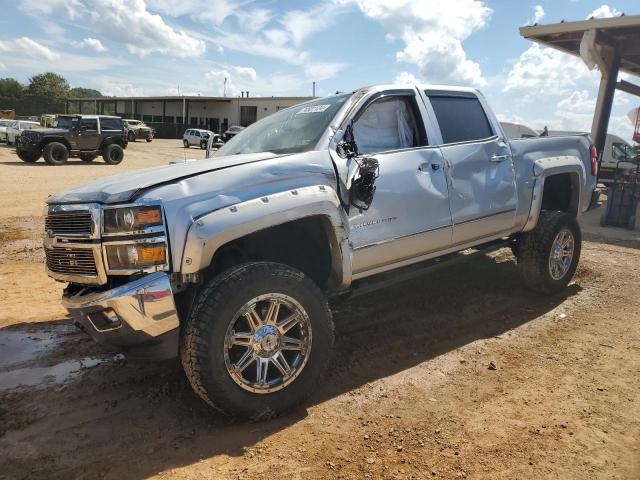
133,256
131,219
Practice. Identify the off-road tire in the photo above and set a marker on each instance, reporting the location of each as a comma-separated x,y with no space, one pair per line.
55,153
88,157
185,143
202,340
27,157
112,154
535,251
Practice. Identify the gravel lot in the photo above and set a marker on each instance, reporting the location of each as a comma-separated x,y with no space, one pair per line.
409,393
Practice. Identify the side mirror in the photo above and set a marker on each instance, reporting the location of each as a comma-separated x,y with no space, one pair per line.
347,147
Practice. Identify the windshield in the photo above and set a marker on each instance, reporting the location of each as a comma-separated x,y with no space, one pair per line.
295,129
68,123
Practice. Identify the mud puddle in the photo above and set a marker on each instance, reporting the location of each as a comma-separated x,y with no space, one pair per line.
18,346
58,374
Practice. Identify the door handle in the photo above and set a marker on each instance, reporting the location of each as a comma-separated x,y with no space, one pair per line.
500,158
424,168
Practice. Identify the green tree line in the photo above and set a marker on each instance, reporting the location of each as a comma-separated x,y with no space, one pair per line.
49,85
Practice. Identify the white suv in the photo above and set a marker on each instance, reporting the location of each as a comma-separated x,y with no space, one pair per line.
198,137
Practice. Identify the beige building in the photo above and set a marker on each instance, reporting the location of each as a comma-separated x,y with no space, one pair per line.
170,116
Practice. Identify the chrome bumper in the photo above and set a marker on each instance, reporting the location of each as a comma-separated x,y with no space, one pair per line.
139,312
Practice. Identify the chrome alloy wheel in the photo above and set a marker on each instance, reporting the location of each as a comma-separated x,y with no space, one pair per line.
561,254
267,343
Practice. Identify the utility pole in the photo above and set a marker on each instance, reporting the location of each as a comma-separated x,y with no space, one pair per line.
224,88
314,89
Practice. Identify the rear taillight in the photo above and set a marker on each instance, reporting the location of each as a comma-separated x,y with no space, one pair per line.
594,160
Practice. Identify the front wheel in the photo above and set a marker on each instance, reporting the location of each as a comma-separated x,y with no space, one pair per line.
185,143
548,255
149,139
257,340
132,137
55,153
28,157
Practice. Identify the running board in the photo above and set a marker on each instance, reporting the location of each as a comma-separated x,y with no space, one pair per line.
403,274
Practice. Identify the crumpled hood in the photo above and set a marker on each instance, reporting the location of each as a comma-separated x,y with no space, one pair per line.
125,186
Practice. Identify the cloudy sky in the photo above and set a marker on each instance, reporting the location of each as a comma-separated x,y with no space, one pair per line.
278,47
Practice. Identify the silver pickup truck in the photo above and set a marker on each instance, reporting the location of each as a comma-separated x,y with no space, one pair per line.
229,262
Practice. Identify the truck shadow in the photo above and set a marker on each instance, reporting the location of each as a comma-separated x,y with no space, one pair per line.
147,413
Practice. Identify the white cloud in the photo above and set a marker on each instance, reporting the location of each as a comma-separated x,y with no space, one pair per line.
124,21
604,11
3,67
28,47
38,8
301,24
433,33
323,70
245,79
206,11
93,43
217,77
142,32
406,78
538,14
578,101
541,71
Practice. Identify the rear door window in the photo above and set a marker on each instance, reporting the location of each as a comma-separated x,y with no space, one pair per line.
89,124
461,119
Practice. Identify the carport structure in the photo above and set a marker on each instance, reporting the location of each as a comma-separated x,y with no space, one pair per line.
611,44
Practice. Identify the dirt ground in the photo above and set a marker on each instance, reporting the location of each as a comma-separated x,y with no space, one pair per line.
409,393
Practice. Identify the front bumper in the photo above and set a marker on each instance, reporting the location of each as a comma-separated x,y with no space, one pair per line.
141,313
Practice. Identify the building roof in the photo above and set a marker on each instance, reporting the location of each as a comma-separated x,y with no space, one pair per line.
176,98
623,32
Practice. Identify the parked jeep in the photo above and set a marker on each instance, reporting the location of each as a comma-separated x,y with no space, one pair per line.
84,136
138,129
229,262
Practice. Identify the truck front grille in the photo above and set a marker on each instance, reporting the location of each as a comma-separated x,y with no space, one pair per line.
71,261
76,223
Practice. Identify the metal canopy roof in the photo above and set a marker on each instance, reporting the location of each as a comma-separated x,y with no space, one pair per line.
622,33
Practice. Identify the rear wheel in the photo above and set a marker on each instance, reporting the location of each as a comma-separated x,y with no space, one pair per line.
28,157
149,139
55,153
548,255
113,154
132,137
257,340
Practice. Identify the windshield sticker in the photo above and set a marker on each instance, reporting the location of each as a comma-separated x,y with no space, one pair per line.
314,109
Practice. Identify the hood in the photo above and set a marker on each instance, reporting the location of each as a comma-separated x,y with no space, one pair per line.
47,131
125,187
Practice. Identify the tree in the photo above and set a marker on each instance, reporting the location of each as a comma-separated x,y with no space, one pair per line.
79,92
50,85
11,88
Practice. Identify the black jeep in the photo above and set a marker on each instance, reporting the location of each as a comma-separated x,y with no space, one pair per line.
84,136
